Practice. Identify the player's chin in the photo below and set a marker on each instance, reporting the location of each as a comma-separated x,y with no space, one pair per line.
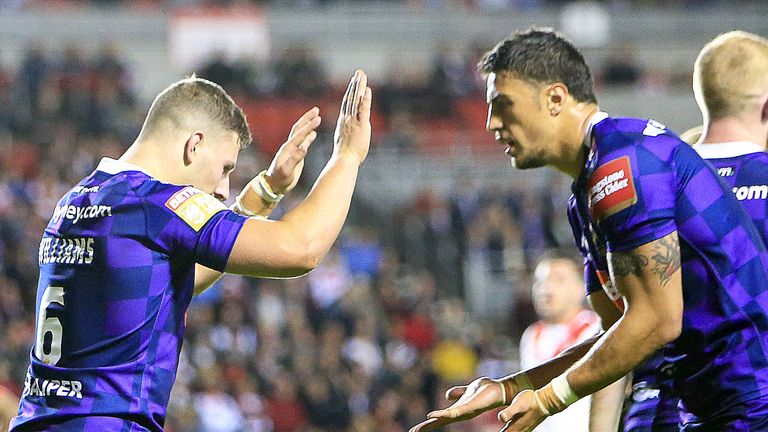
523,163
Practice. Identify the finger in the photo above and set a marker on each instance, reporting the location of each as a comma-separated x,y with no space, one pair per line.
511,412
345,98
306,117
523,422
298,136
360,87
454,393
364,112
351,95
304,145
430,424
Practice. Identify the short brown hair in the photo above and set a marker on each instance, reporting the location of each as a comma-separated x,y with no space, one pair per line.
568,254
730,72
197,99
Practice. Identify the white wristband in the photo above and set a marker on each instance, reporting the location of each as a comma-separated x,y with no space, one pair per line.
266,191
261,189
563,390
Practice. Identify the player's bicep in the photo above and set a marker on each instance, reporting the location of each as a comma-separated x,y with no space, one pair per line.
649,278
269,248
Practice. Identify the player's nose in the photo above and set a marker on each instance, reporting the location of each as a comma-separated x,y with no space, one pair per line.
221,193
222,190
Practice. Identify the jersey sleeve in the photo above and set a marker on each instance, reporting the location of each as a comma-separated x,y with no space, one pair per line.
591,281
632,195
187,222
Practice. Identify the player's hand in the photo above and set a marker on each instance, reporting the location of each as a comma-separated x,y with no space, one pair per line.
472,400
523,414
284,171
353,128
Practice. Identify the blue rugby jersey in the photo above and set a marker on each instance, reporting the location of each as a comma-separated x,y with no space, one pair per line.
116,277
641,183
744,167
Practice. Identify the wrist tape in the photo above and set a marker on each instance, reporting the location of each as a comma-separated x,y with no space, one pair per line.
257,188
513,385
555,396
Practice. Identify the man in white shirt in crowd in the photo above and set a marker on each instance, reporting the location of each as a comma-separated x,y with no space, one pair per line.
558,298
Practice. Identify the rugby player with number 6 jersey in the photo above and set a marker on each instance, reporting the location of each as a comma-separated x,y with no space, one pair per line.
126,249
658,230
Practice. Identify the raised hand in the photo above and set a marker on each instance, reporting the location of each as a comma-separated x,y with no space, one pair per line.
472,400
353,128
284,171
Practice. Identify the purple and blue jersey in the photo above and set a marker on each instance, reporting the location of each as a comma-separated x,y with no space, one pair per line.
744,168
117,263
641,183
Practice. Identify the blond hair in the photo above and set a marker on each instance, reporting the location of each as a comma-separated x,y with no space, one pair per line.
192,101
730,74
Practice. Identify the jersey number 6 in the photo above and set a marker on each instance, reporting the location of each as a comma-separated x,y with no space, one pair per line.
49,325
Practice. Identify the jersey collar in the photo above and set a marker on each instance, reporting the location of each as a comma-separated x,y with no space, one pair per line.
113,166
596,118
591,160
727,149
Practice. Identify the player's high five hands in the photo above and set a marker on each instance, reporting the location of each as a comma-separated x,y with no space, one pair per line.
353,128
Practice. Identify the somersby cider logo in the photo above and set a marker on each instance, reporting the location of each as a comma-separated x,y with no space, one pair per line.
611,189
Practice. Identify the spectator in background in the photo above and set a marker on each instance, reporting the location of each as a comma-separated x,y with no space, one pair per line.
219,70
450,78
622,68
216,410
35,69
300,73
283,405
558,298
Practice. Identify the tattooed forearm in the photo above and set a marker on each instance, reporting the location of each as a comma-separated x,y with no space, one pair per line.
624,264
666,259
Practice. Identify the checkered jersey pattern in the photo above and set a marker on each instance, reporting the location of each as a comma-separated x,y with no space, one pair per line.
720,361
116,278
653,405
746,173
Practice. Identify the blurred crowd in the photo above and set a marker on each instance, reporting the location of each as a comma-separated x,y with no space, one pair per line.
398,311
481,6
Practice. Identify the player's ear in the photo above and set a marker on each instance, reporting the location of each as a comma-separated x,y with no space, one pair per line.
764,116
556,95
191,147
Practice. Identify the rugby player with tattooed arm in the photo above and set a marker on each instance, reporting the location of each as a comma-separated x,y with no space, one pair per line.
658,231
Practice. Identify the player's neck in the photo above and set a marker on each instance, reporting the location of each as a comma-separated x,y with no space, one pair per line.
145,155
574,151
732,129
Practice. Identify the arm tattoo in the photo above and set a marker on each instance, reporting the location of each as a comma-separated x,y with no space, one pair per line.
624,264
666,259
